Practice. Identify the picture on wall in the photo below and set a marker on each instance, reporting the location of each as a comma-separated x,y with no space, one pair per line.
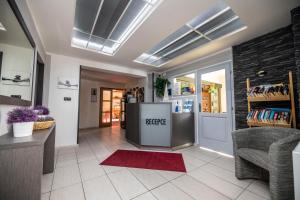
93,94
16,78
67,83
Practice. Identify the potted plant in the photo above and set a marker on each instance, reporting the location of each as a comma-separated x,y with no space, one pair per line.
41,110
160,84
22,120
43,121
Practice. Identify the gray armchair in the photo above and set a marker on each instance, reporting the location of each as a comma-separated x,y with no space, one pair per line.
266,153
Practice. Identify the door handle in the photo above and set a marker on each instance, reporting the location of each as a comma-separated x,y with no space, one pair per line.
199,107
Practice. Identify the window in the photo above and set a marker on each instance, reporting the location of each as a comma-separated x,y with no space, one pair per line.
213,91
184,85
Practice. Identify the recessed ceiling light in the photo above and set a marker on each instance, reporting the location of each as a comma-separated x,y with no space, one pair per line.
2,28
103,26
218,21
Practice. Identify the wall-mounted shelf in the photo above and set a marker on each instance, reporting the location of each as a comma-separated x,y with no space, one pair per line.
271,98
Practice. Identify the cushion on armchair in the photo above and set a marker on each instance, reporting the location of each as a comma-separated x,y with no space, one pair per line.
258,157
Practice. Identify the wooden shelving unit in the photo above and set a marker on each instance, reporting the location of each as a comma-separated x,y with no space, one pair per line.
269,98
289,97
256,123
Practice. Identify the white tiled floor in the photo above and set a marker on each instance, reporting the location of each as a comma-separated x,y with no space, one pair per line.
78,175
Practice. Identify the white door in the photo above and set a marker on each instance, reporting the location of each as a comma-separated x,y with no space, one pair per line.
215,108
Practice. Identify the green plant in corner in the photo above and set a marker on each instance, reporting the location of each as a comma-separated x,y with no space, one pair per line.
160,84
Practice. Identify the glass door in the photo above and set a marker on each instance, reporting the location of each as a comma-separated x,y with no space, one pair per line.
215,100
105,107
116,107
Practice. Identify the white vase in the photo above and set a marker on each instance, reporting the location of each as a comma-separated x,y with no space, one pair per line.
22,129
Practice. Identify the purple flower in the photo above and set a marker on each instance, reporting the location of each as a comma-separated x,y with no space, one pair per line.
21,115
41,110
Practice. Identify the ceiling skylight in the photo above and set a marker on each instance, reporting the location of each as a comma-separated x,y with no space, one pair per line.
104,26
218,21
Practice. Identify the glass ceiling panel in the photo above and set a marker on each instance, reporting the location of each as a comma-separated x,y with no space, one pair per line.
160,62
209,13
188,47
80,39
231,27
189,37
134,9
96,43
170,39
229,14
108,17
218,21
104,26
85,14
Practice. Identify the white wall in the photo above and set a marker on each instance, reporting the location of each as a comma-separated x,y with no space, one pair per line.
89,111
22,5
16,60
66,113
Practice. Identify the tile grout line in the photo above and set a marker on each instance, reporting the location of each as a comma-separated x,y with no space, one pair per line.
52,181
206,163
80,175
113,185
243,188
168,181
208,186
106,174
211,162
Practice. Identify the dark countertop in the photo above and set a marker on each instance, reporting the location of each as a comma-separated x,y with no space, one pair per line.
37,138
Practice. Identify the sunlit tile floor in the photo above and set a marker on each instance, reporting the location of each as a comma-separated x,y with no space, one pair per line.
78,175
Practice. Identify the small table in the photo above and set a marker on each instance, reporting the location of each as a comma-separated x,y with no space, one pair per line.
23,161
296,166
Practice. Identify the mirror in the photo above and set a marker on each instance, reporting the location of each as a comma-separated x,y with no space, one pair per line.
16,55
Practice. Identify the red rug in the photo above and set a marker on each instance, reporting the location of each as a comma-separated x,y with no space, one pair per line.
146,160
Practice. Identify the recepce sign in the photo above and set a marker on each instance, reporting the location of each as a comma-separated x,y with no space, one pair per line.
156,122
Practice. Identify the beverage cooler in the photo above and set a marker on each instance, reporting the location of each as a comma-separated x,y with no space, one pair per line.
123,106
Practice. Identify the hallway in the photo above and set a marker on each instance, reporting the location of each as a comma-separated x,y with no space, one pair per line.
78,175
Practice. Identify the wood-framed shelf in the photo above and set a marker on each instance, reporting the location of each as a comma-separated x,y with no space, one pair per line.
272,124
269,98
289,98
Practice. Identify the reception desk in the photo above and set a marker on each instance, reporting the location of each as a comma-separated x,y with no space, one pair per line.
154,125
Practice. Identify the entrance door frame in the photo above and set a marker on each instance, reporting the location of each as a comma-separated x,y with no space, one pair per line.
230,99
101,125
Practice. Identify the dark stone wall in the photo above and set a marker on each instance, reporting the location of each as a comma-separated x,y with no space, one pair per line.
273,53
296,32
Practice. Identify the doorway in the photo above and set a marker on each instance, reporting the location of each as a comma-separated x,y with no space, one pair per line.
110,107
38,98
215,108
